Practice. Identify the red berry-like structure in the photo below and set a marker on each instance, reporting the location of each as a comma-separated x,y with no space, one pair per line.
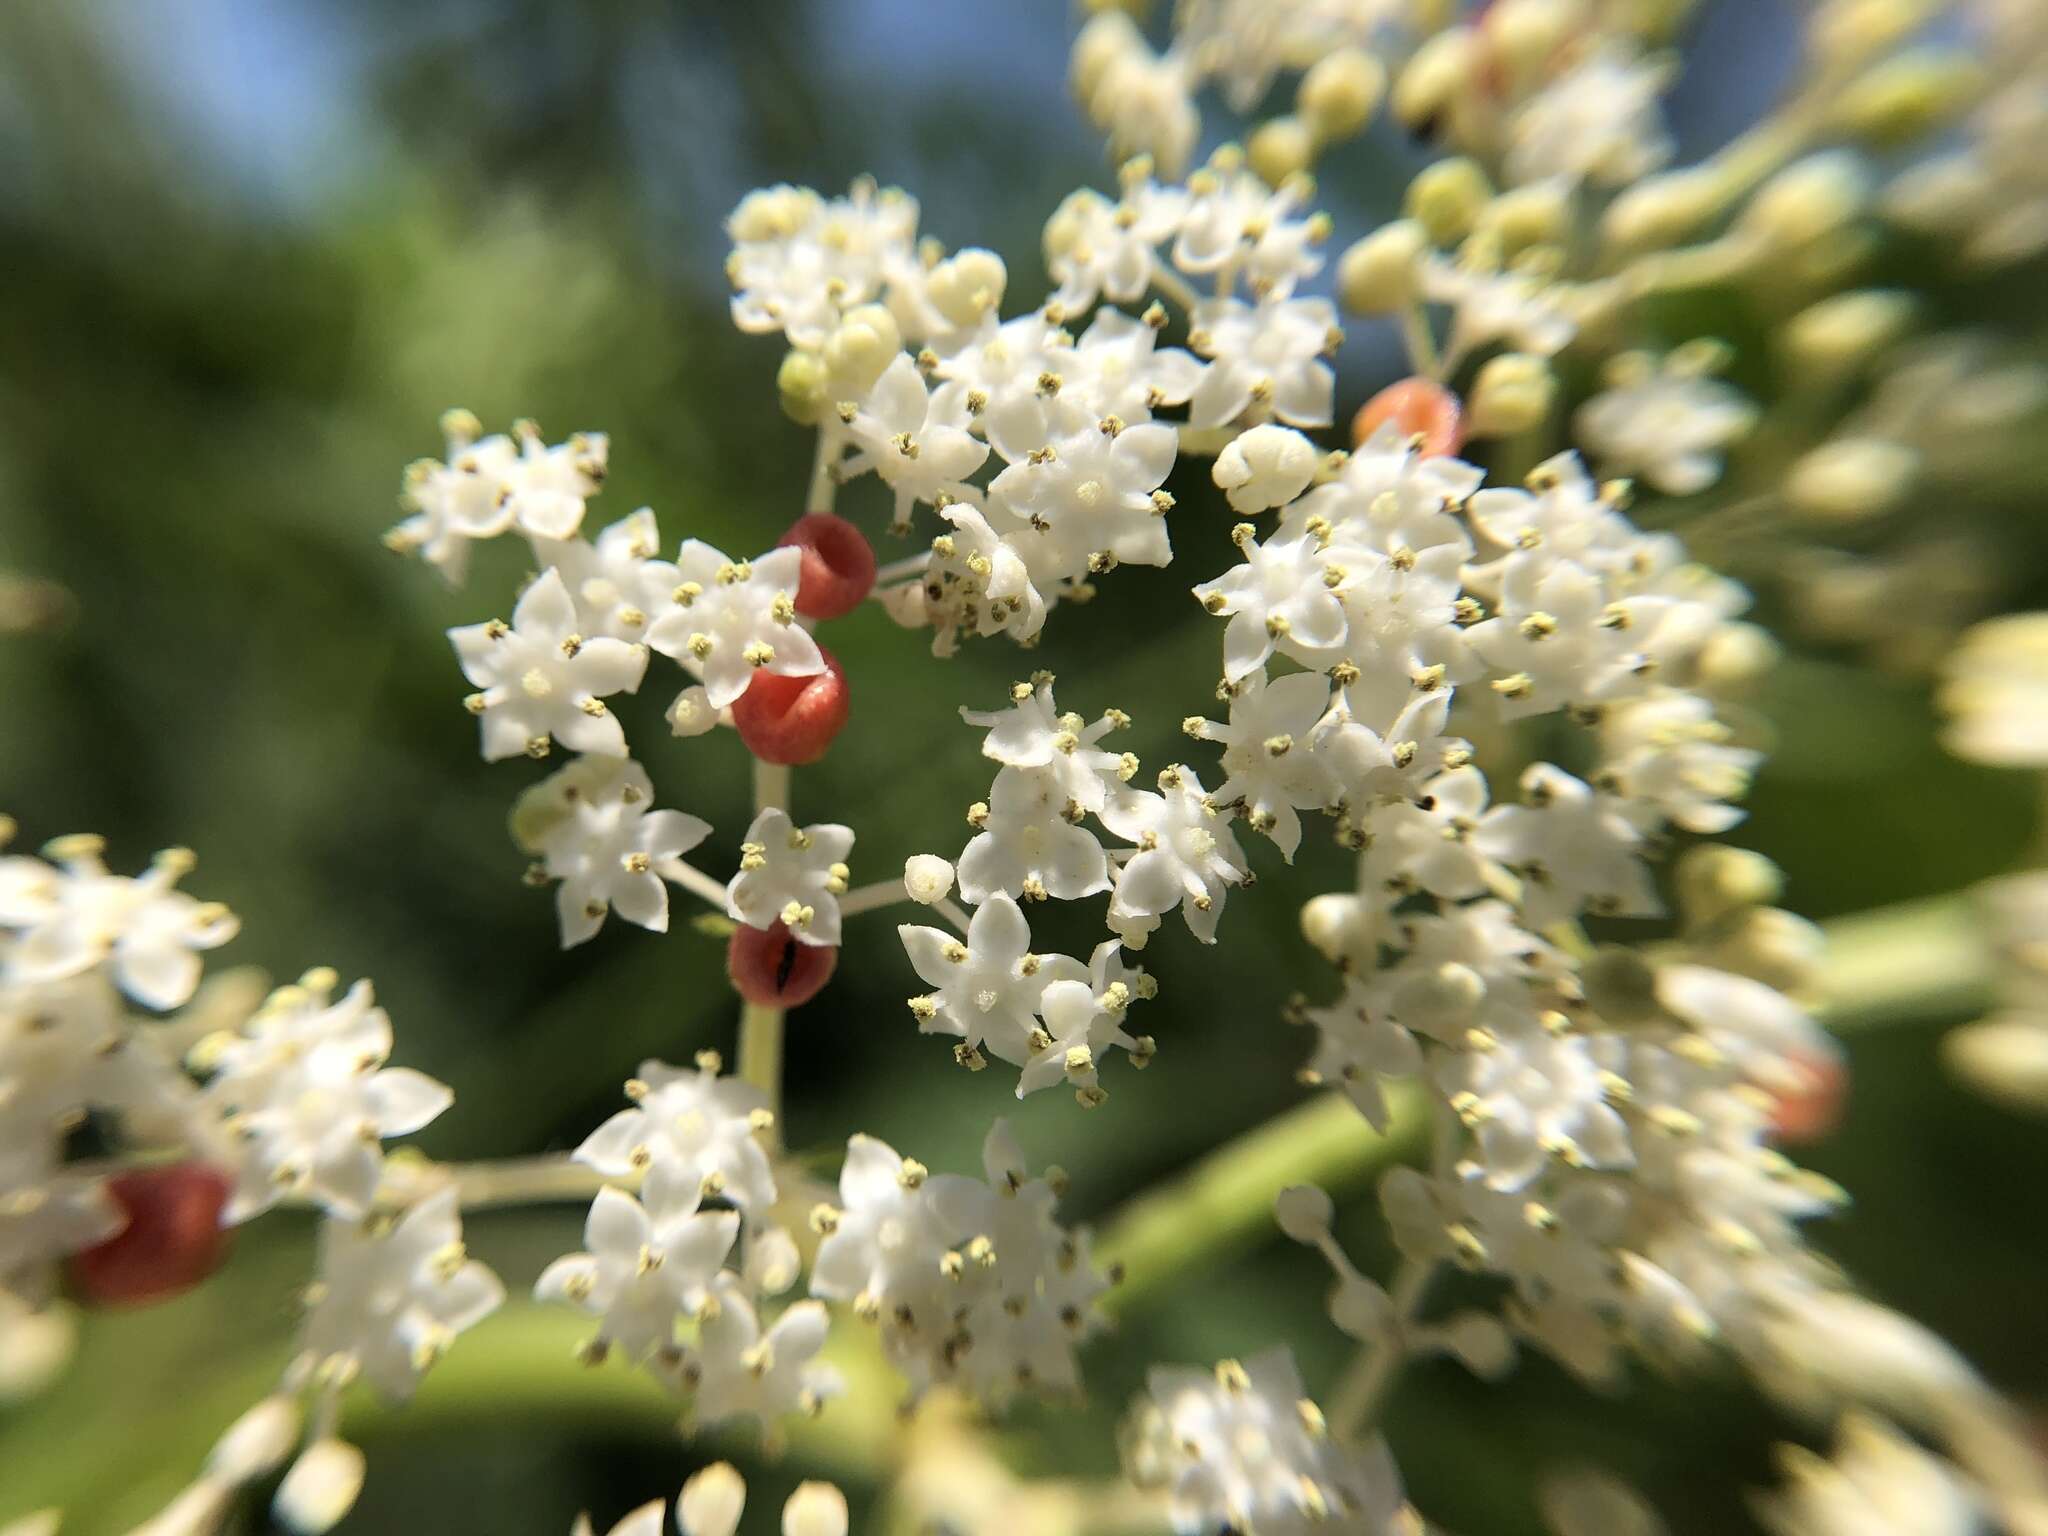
173,1238
1420,409
838,565
1811,1111
792,720
768,966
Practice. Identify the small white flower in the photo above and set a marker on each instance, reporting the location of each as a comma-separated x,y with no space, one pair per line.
1377,751
884,1244
978,582
1032,733
800,261
1280,597
927,878
1433,842
1095,491
792,875
1098,249
645,1270
1233,219
1666,421
1533,1098
545,489
1572,848
986,989
305,1100
1879,1483
915,438
616,582
698,1126
1358,1045
1266,357
1186,858
733,618
1272,764
1488,305
457,503
45,1215
747,1372
540,678
611,852
393,1294
76,915
1117,368
1031,844
1081,1024
1668,759
1265,467
1598,121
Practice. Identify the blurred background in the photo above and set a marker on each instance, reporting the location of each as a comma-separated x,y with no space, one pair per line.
250,249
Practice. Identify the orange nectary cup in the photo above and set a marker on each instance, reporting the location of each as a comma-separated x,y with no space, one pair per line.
173,1238
768,966
1419,408
791,720
838,568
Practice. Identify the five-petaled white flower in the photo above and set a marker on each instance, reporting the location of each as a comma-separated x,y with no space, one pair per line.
791,875
645,1269
701,1127
1186,858
540,677
733,618
986,989
611,852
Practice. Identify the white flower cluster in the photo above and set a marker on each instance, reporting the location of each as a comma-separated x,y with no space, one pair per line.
971,1283
903,361
1242,1448
677,1285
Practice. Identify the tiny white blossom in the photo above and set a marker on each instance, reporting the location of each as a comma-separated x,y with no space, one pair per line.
1233,219
457,503
393,1294
1186,857
1267,357
1488,305
305,1100
616,582
1033,733
1878,1483
1572,848
611,852
1030,843
645,1269
1280,597
915,438
1272,764
1666,421
1098,249
699,1126
986,989
732,618
1598,121
800,261
762,1374
1094,492
1532,1098
792,875
545,489
540,678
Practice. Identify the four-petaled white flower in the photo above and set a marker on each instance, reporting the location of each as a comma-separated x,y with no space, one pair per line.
791,875
541,678
393,1294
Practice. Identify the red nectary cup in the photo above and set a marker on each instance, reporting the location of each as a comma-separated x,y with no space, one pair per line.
792,719
1420,409
1813,1110
838,568
768,966
173,1239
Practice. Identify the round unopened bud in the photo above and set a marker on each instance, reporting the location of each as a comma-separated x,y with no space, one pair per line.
864,343
1340,93
1266,467
1303,1212
1844,34
1908,96
1713,880
1780,949
1621,986
967,285
1107,38
321,1488
1334,924
1481,1344
1382,274
1735,656
1513,394
1808,201
712,1501
1281,147
1436,74
692,714
815,1509
2004,1057
1851,479
1660,211
1524,36
1831,339
803,384
1447,198
1522,217
927,878
772,213
256,1444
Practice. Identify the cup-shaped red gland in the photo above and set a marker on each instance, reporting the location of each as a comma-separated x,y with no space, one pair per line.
838,568
173,1238
792,719
1419,408
768,966
1811,1110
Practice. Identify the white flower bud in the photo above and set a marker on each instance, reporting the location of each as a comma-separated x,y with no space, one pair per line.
1909,96
1382,274
905,604
1851,479
815,1509
1303,1212
321,1488
1524,36
1735,656
256,1444
1447,198
1331,923
1340,93
803,384
1660,211
712,1501
966,286
2004,1058
1359,1307
1513,393
692,714
1107,39
1281,147
1266,467
1779,948
861,346
1521,217
1483,1346
927,878
1713,880
1828,340
1437,74
772,213
1808,201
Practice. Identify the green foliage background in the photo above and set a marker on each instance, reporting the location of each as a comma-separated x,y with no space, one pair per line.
204,406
